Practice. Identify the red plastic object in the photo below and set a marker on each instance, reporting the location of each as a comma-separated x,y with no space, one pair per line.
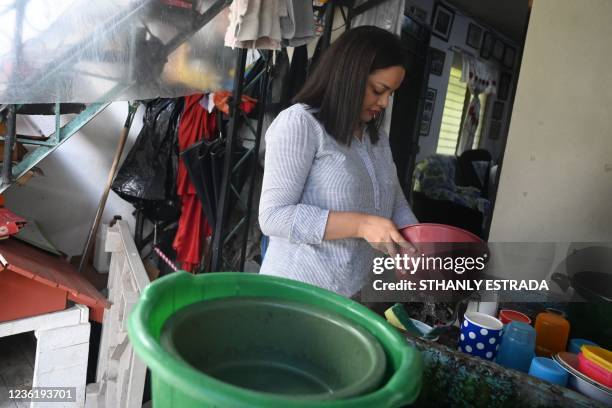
35,282
10,223
506,316
444,240
439,240
594,371
437,233
22,297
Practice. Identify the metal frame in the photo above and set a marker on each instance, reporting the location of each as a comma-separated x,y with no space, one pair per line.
12,173
220,237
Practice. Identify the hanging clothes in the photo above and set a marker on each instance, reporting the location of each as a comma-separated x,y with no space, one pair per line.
264,24
480,78
298,72
279,75
298,24
388,15
195,124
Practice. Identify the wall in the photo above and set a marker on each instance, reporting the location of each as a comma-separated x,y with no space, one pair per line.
457,38
65,199
556,182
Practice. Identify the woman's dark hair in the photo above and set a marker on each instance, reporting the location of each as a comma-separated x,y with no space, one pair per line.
337,85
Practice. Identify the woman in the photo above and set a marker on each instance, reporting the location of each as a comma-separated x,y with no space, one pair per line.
330,194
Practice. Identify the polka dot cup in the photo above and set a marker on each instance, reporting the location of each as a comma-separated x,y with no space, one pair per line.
480,335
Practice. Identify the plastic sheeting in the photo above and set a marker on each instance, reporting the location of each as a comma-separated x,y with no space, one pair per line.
105,50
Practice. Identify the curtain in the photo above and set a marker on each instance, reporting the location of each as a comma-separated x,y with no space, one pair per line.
480,78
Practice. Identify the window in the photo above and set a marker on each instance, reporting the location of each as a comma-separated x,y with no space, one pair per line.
455,106
452,114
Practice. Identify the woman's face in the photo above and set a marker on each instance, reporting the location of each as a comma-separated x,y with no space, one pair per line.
381,84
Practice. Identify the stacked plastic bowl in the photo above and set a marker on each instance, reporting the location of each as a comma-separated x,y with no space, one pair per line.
249,340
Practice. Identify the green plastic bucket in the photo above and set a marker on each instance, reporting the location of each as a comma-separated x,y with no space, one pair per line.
176,383
276,346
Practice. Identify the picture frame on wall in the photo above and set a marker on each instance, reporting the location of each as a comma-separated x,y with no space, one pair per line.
509,56
430,95
428,109
498,110
424,129
418,14
498,49
487,45
442,21
437,58
495,130
474,36
504,86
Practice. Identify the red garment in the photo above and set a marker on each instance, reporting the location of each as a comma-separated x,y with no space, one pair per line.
221,98
195,124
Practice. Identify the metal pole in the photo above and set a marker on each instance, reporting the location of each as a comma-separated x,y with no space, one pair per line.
217,241
9,141
111,176
260,119
11,131
200,21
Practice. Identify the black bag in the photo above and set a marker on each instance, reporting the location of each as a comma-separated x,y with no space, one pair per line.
147,177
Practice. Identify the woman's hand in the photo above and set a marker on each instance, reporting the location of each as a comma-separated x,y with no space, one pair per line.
382,234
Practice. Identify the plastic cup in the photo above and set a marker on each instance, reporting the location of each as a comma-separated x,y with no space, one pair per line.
506,316
552,332
480,335
517,347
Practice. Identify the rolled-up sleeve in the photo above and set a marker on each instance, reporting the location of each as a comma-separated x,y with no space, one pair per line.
291,147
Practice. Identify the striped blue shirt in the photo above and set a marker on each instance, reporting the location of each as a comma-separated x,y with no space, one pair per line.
306,175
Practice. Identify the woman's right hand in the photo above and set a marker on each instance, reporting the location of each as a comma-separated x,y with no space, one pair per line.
382,234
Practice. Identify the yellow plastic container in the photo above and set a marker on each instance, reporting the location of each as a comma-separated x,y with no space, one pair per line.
598,355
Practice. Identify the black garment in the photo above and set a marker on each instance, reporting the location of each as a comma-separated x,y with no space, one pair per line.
298,72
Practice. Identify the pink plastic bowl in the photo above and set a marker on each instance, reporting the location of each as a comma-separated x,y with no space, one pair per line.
594,371
439,240
437,233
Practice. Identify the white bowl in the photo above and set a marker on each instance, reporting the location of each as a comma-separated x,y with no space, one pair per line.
580,382
588,389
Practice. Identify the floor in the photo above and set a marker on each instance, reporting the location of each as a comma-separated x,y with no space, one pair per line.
17,354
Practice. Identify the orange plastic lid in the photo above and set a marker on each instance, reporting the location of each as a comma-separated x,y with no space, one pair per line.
598,355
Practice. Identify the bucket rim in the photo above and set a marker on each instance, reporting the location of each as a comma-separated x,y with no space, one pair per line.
402,358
